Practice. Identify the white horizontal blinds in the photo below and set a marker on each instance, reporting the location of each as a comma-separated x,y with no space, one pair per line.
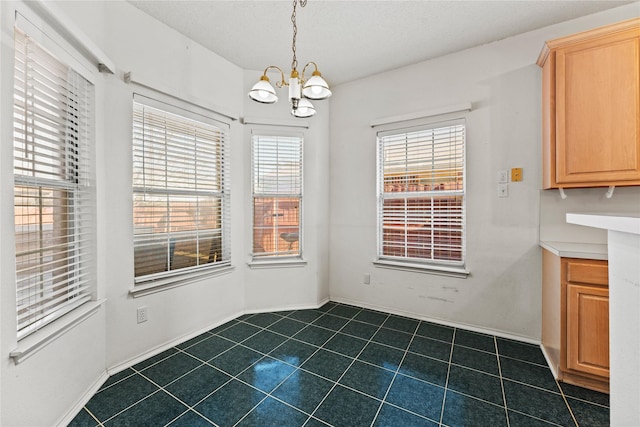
180,192
277,195
53,192
421,194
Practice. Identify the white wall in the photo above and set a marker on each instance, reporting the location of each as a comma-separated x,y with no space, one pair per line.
164,59
553,212
501,79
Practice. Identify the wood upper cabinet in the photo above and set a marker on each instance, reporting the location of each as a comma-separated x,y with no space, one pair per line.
591,108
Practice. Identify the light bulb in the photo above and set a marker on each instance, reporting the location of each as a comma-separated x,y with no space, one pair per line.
263,94
316,90
303,111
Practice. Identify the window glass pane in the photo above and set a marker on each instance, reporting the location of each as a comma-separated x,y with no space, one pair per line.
277,195
421,199
276,226
180,198
53,191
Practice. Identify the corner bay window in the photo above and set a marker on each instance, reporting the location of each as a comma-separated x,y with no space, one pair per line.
53,186
276,164
421,196
180,191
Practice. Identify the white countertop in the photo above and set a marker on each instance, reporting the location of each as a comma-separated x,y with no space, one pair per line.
576,250
624,222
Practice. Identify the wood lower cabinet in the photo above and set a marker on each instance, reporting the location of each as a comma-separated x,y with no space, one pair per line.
587,349
575,320
591,107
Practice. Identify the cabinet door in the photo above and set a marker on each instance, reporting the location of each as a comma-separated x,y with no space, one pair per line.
588,329
598,110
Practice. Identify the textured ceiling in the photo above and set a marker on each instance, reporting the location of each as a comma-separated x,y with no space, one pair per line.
353,39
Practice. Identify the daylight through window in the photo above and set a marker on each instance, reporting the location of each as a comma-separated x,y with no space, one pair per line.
277,195
421,195
180,192
53,186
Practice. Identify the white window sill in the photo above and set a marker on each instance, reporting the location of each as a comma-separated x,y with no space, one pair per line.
31,344
459,272
142,288
277,263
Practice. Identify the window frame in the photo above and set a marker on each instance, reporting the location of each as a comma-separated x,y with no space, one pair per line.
168,279
286,260
424,265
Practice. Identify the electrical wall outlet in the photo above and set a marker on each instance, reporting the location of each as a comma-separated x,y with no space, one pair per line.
142,314
503,190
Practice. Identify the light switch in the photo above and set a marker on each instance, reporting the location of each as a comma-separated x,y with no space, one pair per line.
503,176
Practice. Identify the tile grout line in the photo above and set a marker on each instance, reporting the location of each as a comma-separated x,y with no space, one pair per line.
446,382
189,407
504,396
536,418
395,374
564,398
296,367
348,367
93,416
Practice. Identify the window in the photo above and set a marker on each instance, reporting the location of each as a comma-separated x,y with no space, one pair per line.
180,191
53,186
421,196
277,195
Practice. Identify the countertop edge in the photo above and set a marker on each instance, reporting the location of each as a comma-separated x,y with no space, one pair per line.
626,223
576,250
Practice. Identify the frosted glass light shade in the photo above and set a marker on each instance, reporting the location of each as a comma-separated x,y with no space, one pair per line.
263,92
305,109
316,88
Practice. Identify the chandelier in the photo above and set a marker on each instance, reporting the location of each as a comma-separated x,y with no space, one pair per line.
300,90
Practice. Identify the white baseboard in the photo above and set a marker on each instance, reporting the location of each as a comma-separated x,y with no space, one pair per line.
167,345
288,307
82,401
473,328
553,368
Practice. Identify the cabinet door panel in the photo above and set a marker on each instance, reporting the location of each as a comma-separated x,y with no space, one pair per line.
588,329
597,110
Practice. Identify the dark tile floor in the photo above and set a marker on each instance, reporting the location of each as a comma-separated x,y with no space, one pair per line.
342,366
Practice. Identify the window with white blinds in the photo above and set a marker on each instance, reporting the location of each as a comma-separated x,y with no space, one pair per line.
54,196
180,191
421,195
276,165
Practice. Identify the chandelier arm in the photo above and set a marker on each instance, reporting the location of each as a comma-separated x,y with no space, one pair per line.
282,81
315,66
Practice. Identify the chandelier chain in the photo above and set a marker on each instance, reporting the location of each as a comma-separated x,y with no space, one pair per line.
294,61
